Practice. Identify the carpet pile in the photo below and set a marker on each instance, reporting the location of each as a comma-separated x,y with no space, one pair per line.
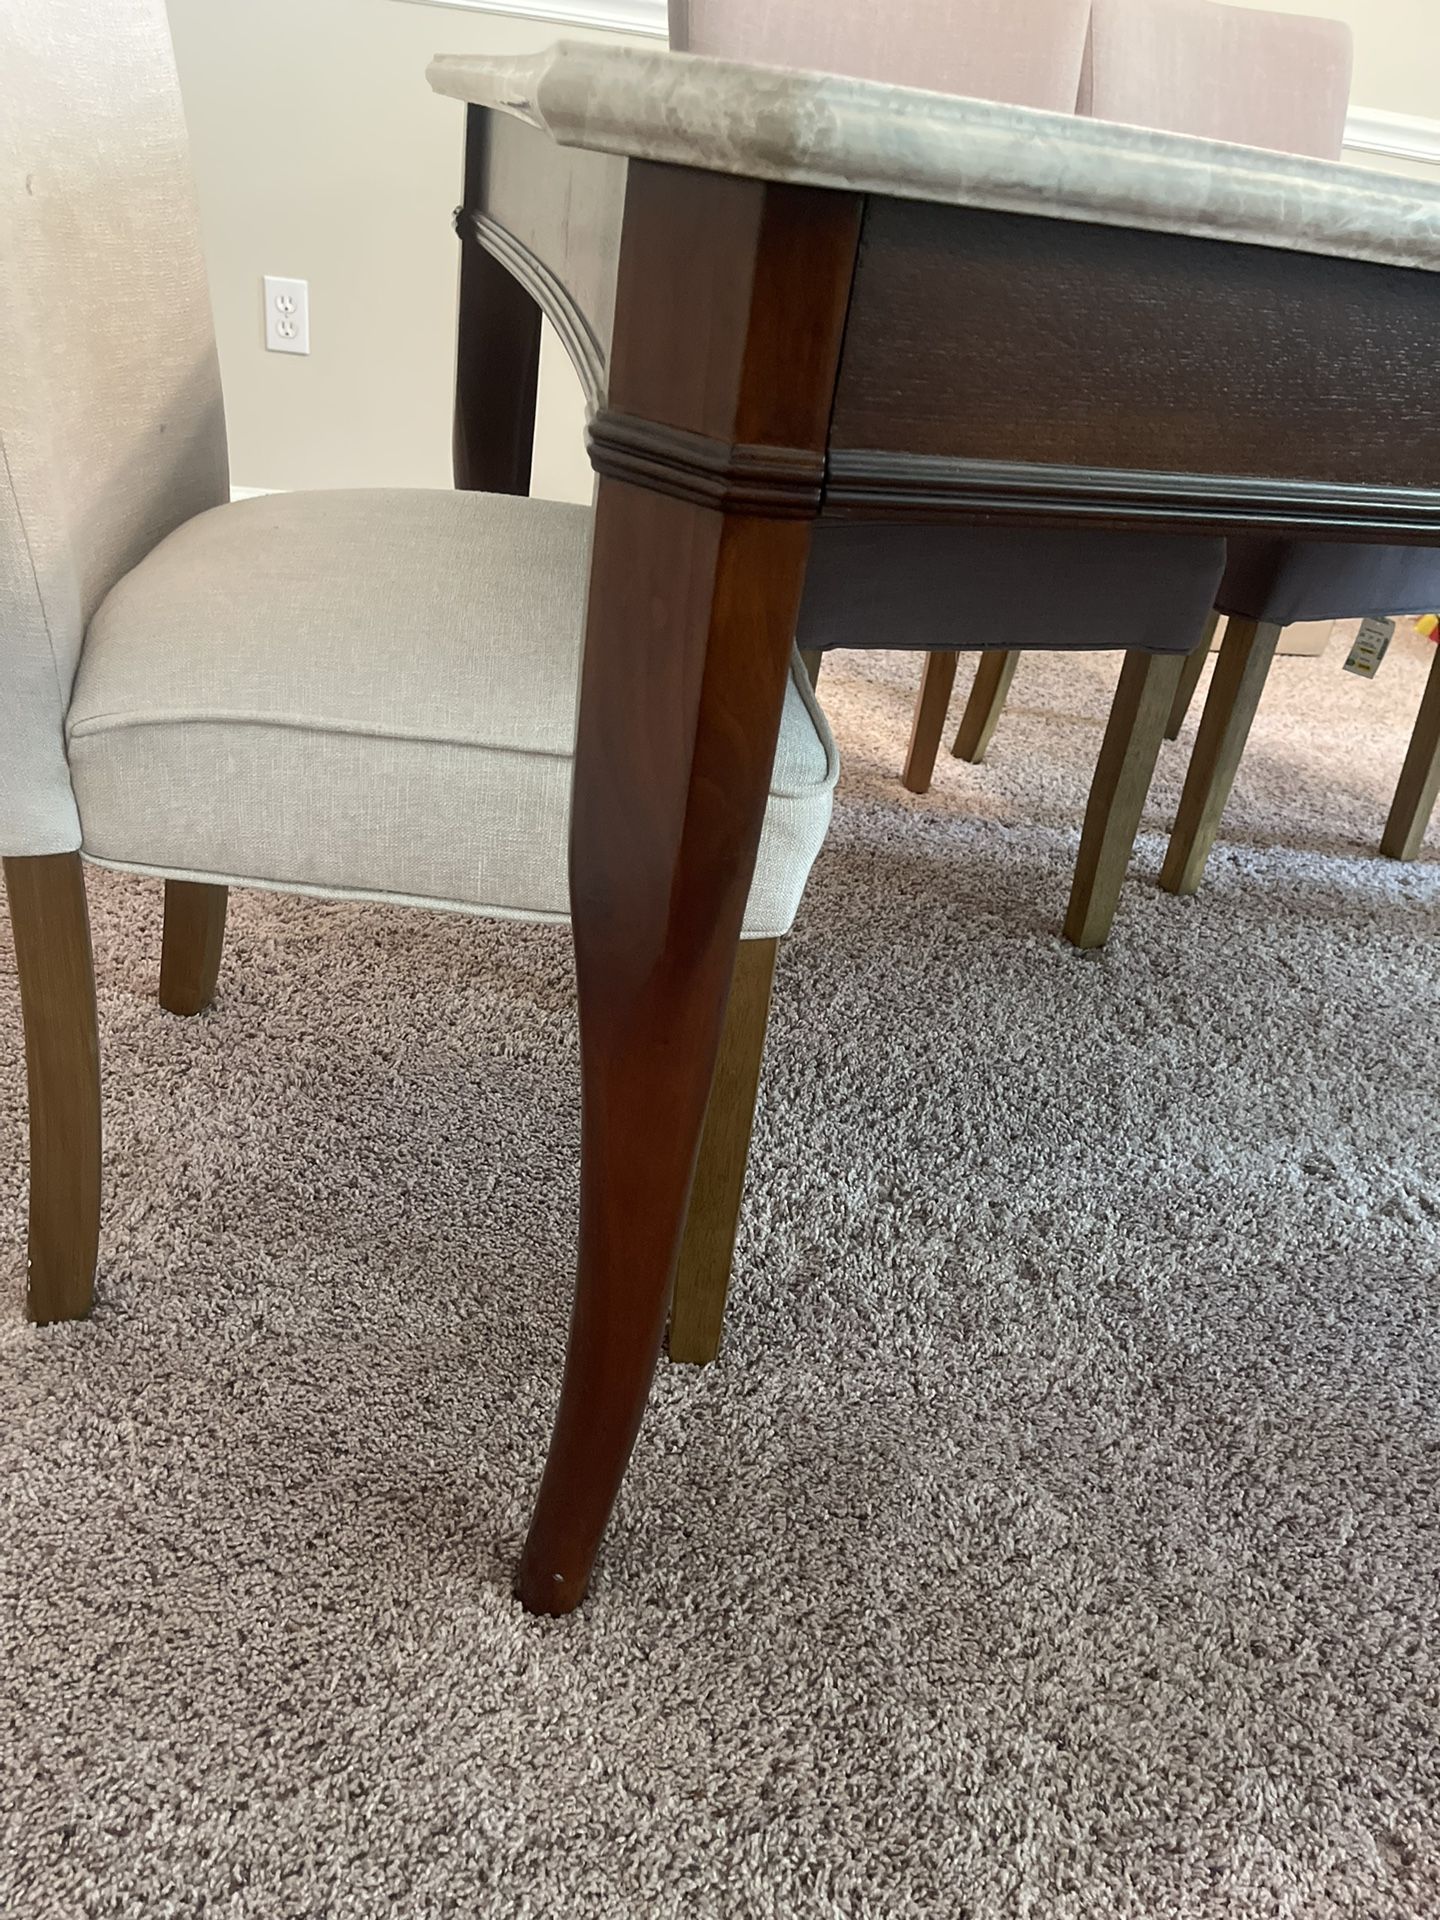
1058,1535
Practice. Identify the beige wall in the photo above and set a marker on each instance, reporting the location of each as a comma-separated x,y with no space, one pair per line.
321,152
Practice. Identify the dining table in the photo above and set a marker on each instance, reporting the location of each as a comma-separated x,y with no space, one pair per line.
796,300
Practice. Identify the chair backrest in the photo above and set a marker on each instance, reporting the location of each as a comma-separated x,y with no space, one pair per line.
1027,53
1277,80
111,426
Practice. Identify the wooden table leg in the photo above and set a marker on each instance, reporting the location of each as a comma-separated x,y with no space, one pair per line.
731,305
677,736
497,369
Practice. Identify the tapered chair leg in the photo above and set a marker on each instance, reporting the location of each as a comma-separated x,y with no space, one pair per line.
812,658
1143,701
985,705
931,707
1190,679
62,1058
1419,780
707,1252
193,943
1240,672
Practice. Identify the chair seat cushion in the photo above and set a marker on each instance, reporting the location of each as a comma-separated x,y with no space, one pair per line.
1286,580
372,694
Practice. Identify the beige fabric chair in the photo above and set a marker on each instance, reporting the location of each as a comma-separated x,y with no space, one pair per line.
368,694
371,694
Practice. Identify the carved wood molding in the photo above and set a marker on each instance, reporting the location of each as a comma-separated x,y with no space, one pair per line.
865,485
775,483
549,293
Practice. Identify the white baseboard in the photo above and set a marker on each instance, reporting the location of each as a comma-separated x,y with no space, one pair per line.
1399,136
250,493
649,17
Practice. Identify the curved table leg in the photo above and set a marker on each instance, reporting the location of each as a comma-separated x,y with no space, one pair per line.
672,774
694,598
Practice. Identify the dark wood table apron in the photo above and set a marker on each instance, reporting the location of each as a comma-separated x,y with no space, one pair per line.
778,354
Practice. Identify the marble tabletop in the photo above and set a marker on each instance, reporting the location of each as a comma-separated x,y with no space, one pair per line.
822,130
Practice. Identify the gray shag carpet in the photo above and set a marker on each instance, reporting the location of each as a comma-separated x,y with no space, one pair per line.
1058,1536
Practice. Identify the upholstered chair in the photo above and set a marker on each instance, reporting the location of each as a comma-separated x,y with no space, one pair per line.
1265,80
367,695
1260,79
1267,585
1268,80
1273,80
1286,84
927,587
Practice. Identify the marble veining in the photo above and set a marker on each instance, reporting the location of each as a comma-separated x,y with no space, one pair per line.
826,131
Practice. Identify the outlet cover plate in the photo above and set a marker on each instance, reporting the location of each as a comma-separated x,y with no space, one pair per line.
287,314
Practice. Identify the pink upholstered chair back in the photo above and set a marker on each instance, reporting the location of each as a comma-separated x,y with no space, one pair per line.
1278,80
1027,53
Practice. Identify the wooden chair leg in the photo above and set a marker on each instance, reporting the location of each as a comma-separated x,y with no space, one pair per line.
1190,679
931,706
193,943
985,705
811,658
1420,779
62,1058
1245,656
1143,701
707,1252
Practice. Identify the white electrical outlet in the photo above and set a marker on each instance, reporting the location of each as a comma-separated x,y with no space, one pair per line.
287,315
